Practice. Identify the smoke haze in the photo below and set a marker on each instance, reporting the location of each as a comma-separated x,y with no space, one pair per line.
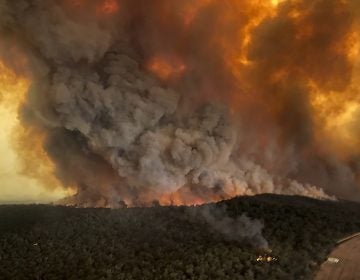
240,228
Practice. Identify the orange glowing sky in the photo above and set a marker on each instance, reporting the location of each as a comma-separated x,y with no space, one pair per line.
15,185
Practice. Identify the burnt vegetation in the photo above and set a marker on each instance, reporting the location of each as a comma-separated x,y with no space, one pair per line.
53,242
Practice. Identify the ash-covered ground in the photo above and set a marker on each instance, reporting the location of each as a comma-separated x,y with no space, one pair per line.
206,242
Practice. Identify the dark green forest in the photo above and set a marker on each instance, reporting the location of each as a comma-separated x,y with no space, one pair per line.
54,242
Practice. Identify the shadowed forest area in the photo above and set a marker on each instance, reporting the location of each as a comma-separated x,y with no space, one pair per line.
55,242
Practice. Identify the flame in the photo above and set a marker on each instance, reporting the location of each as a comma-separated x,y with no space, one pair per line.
336,112
335,105
184,196
101,8
108,7
334,101
277,2
166,68
257,13
25,171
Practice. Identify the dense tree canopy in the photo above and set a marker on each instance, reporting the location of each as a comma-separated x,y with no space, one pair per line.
53,242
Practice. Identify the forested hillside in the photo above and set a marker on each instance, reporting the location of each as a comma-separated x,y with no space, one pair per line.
53,242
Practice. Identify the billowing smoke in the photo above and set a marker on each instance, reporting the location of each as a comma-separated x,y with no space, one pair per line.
239,228
189,101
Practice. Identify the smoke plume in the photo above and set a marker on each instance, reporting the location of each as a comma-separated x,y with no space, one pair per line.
240,228
186,102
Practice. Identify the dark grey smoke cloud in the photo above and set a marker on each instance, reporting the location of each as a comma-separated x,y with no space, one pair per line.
117,133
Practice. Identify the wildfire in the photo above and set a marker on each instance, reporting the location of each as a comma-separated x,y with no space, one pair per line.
335,103
101,8
108,7
336,111
276,2
287,70
166,68
190,10
23,164
184,196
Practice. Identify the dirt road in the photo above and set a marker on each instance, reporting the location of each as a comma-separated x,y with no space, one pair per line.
348,265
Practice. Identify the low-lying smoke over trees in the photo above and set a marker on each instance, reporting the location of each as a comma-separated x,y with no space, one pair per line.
47,242
240,228
188,102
